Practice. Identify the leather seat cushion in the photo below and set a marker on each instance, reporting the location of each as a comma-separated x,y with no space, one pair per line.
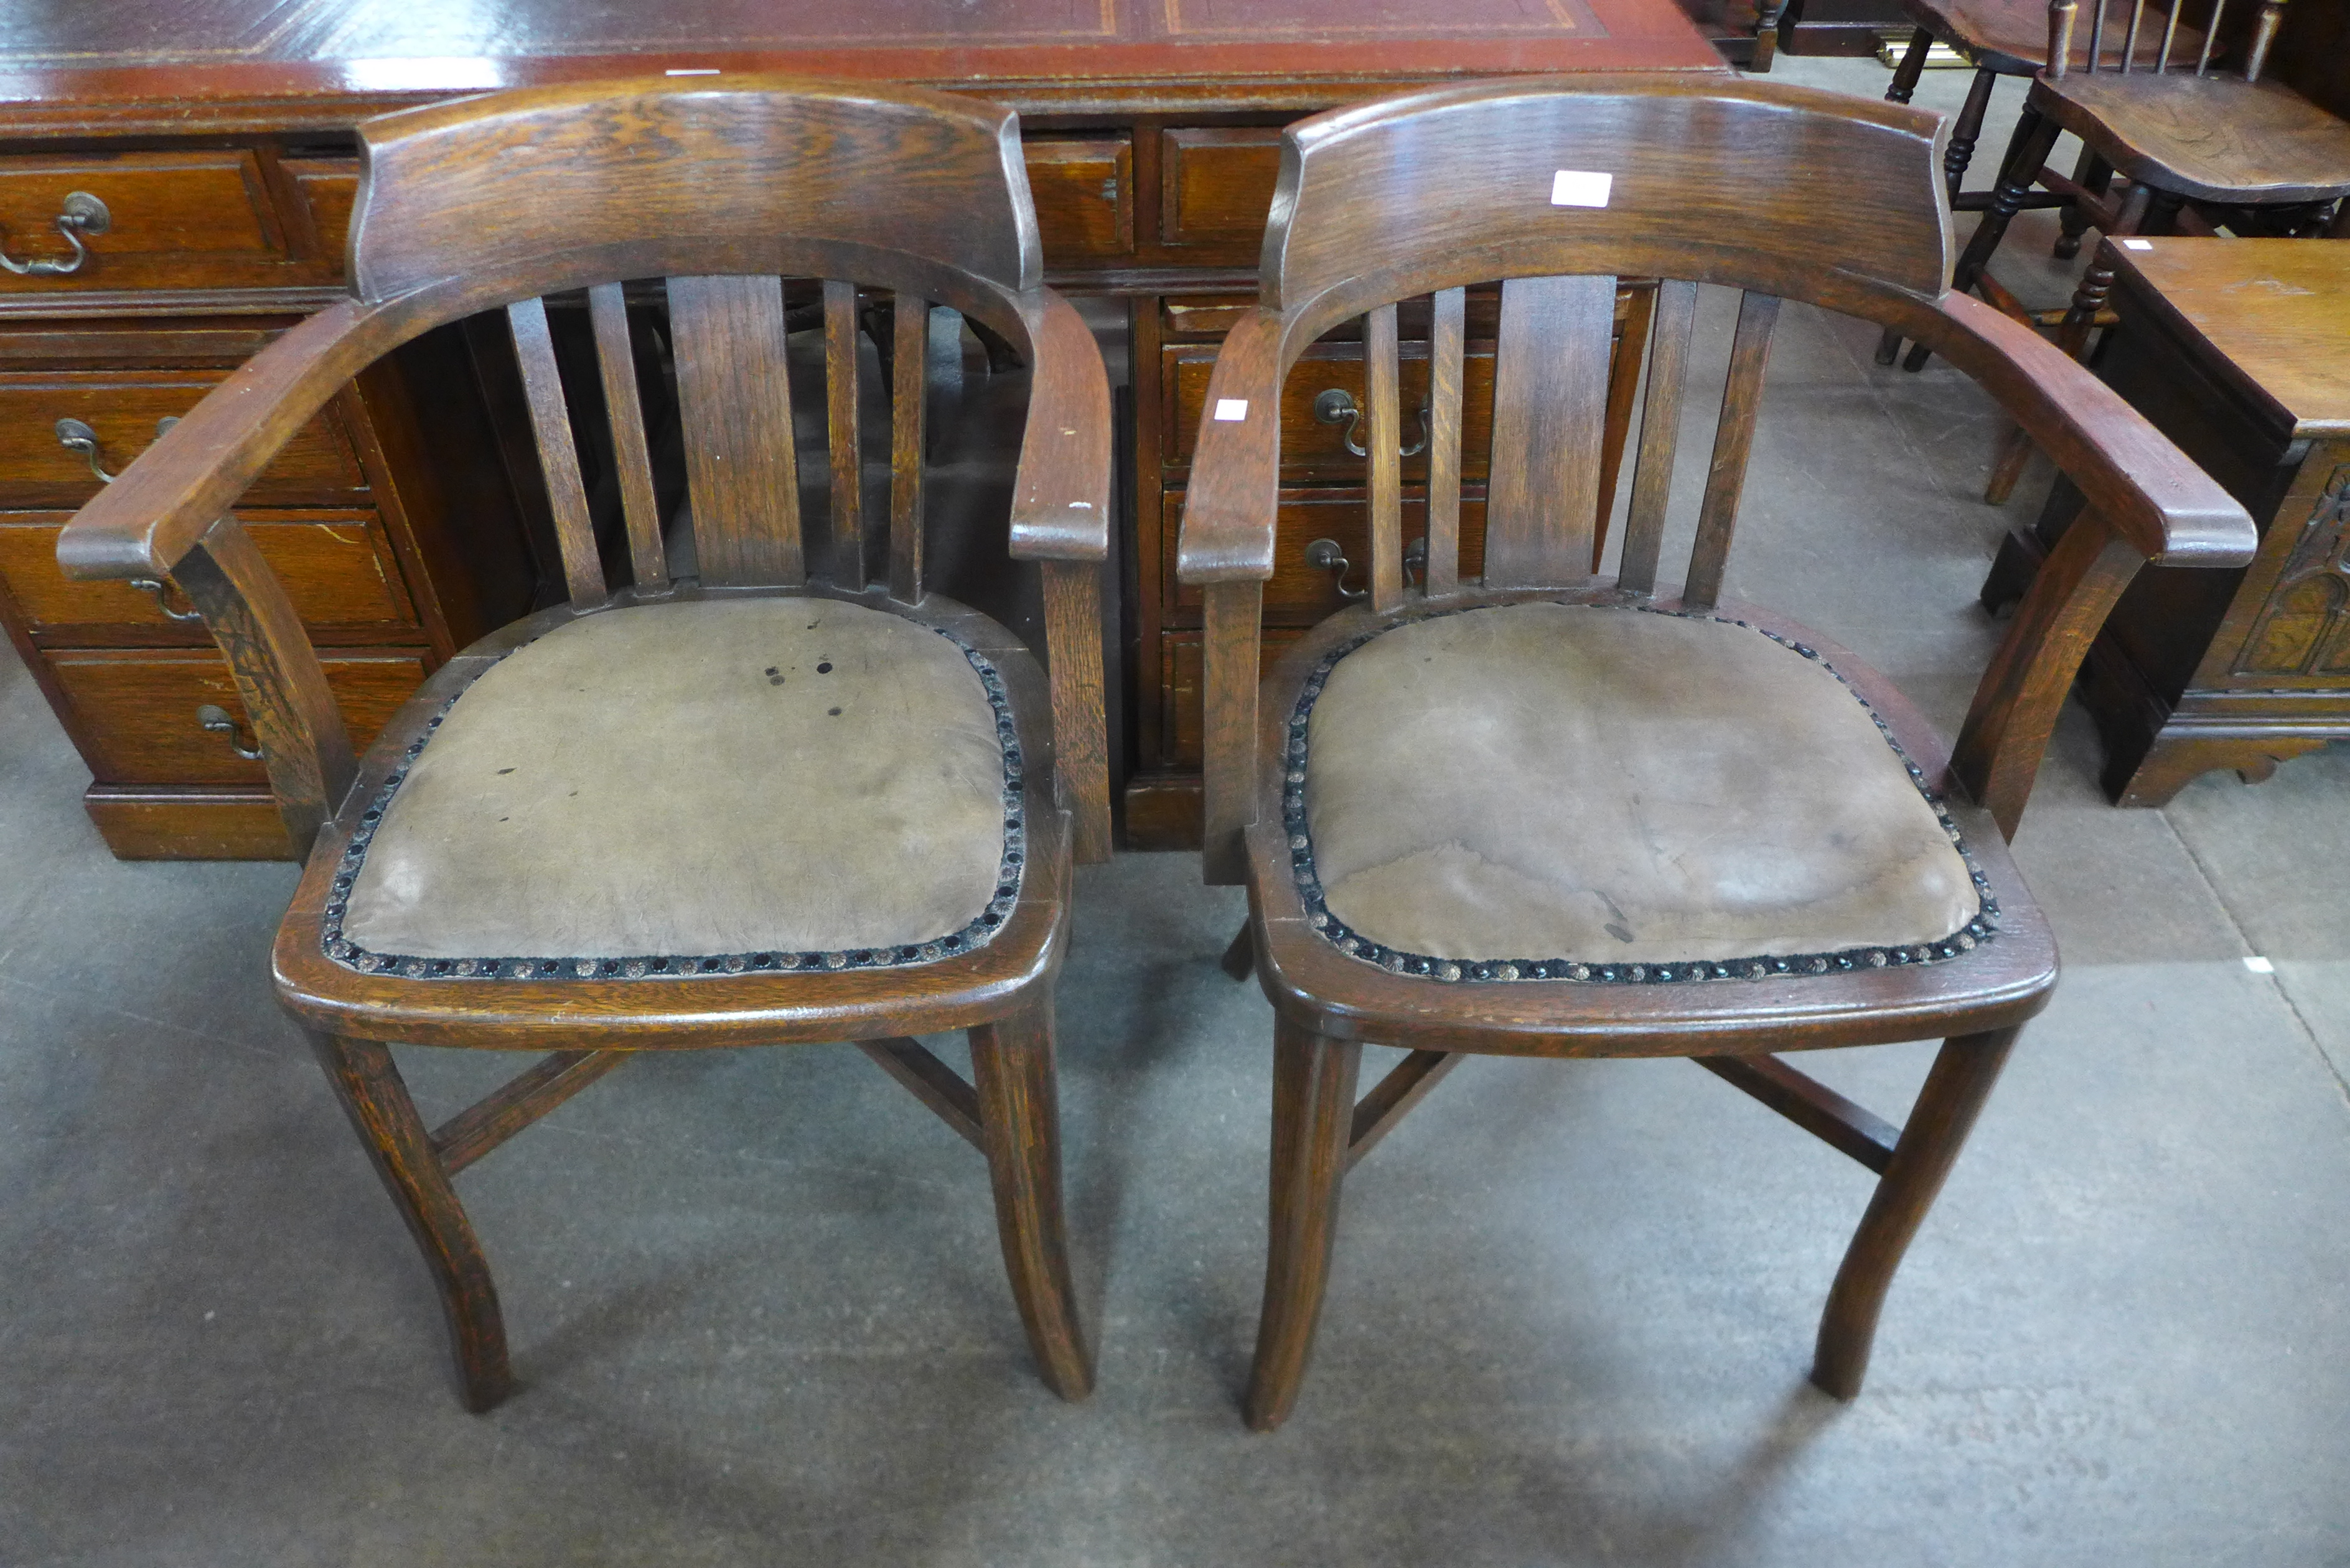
1607,784
720,776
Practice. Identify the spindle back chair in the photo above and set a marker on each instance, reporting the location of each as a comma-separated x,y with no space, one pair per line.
1427,798
657,815
2151,125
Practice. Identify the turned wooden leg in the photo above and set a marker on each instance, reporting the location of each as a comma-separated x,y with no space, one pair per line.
1766,34
1912,67
1313,1117
2035,133
1946,1109
1020,1123
1966,131
368,1084
2094,175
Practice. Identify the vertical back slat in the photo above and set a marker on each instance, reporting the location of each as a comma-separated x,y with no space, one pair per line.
736,402
2129,39
847,449
2169,32
1661,426
2211,32
908,375
1550,402
1381,375
558,457
607,309
2096,34
1725,480
1448,332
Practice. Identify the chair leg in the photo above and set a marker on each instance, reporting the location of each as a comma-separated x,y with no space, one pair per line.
369,1084
1966,131
2095,176
1939,1123
1313,1117
1912,67
1020,1120
1240,959
2035,133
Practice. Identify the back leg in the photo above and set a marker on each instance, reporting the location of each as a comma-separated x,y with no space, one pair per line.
1937,1129
367,1083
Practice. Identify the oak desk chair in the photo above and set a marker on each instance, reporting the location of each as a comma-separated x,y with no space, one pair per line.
2186,130
1548,815
784,801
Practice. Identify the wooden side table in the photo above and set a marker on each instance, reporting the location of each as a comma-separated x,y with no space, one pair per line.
2239,352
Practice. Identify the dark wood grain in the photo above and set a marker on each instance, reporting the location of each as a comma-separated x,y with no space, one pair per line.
640,508
558,457
1725,474
1550,394
1313,1119
908,356
1810,1105
1385,441
735,401
1406,1084
1020,1120
1445,348
1661,424
848,489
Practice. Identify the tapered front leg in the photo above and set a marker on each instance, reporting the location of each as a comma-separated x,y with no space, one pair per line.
1937,1129
374,1097
1313,1117
1020,1124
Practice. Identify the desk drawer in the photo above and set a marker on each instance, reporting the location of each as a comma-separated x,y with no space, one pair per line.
1309,445
1084,191
319,217
1299,593
1216,189
338,567
134,713
317,467
174,220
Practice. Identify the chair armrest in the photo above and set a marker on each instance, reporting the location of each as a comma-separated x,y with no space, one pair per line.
1060,495
142,524
2149,491
304,742
1228,508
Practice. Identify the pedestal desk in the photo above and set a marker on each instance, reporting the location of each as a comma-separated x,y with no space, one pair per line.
2239,352
216,136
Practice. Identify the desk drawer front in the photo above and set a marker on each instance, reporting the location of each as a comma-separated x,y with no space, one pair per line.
1216,189
173,220
1309,445
121,407
1183,686
324,190
338,567
135,713
1301,593
1084,191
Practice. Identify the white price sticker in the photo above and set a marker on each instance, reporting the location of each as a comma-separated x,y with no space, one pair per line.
1231,409
1579,188
2137,244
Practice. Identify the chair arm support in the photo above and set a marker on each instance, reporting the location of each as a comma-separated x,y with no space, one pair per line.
142,524
2006,733
303,740
1229,727
1060,495
2149,491
1072,647
1228,510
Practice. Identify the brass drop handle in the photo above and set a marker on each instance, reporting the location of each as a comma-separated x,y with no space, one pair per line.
214,717
1325,555
1333,404
163,592
84,215
76,436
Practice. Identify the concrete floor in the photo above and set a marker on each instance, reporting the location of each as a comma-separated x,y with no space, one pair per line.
758,1313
